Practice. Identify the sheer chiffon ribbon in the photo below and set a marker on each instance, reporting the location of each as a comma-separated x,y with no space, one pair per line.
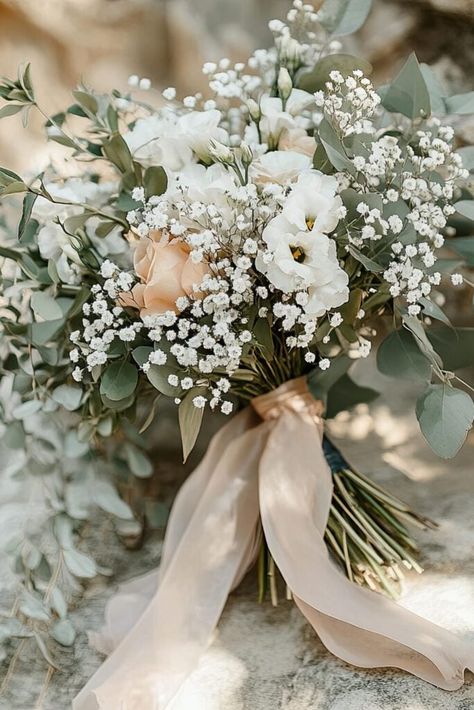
266,464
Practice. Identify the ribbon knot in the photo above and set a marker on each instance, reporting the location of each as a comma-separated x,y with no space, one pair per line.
293,396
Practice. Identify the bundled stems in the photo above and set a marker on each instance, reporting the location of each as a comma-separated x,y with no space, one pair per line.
366,532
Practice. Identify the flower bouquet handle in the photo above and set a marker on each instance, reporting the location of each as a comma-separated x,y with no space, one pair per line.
266,465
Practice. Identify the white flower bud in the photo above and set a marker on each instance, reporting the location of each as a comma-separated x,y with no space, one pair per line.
254,110
285,85
221,152
246,153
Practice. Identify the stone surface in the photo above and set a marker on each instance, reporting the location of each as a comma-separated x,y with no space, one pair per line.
266,658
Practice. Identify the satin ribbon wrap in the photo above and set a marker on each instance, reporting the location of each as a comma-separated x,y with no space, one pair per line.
266,464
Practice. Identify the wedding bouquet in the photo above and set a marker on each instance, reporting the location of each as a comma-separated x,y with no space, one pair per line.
246,248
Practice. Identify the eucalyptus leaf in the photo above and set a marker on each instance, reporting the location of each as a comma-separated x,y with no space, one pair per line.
455,346
366,261
343,17
321,381
433,311
399,356
190,420
118,152
68,396
63,632
155,181
445,415
461,103
79,564
466,208
463,246
139,463
334,148
119,380
408,93
436,91
467,155
107,498
58,602
345,394
33,607
316,78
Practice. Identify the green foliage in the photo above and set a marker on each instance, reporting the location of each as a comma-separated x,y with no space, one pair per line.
190,420
119,381
315,80
344,17
399,356
445,415
408,93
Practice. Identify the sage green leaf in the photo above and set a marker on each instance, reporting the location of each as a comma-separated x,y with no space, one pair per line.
63,632
343,17
345,394
28,203
32,607
158,376
334,147
118,152
467,155
436,91
321,161
155,181
107,498
86,101
463,246
445,415
466,208
79,564
433,311
141,354
26,409
321,381
366,261
68,396
45,307
415,326
139,463
190,420
316,78
399,356
408,94
119,380
461,103
455,346
42,333
10,110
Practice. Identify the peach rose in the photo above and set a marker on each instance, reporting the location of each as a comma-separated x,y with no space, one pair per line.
297,139
166,272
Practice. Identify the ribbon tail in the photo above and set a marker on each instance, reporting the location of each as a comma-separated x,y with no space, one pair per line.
209,542
360,626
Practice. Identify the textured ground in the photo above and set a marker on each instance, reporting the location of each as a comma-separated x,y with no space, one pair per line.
269,659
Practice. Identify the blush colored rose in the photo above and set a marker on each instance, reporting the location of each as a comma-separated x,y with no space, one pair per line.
166,273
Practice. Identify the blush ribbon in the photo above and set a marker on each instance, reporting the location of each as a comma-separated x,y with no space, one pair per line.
267,464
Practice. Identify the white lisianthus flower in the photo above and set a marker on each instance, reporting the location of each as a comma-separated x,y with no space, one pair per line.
313,202
304,259
281,167
54,243
276,117
299,254
175,142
